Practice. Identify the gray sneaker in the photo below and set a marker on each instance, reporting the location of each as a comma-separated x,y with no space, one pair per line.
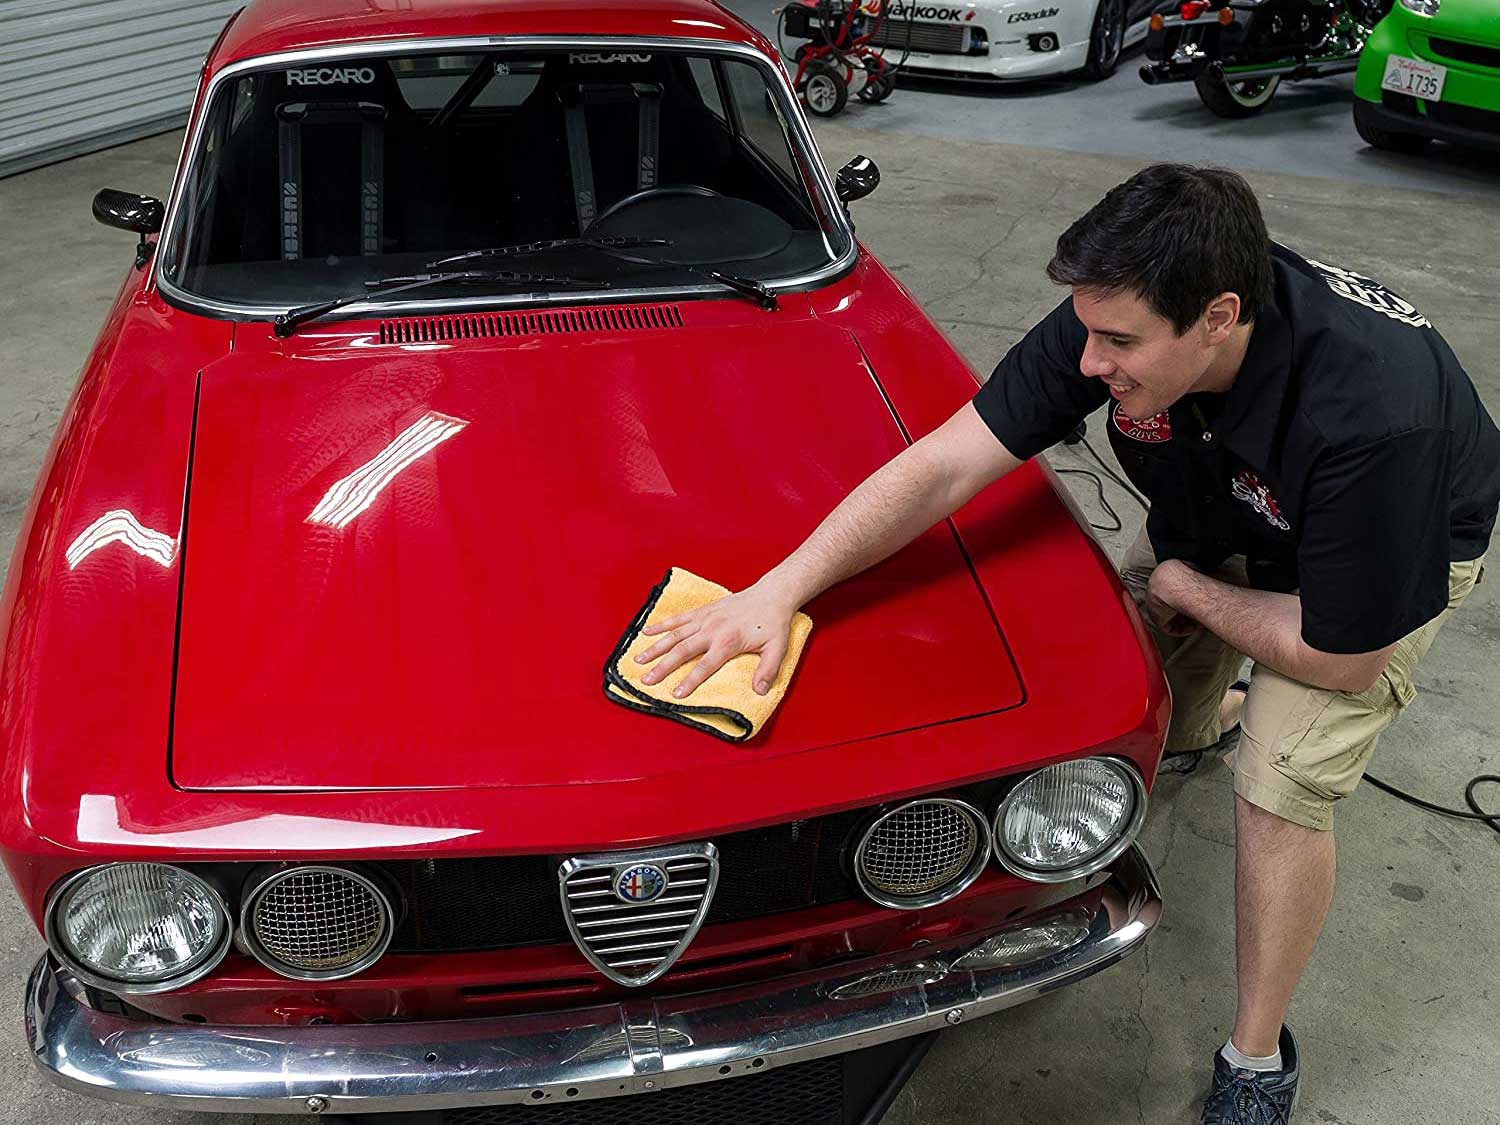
1249,1097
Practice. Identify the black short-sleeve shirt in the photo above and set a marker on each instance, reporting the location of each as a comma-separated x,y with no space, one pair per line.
1351,460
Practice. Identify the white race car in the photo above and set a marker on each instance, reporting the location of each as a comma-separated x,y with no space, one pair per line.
1010,38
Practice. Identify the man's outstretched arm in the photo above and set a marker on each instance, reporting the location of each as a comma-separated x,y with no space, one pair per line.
923,484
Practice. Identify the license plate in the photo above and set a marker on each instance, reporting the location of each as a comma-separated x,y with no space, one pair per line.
1415,77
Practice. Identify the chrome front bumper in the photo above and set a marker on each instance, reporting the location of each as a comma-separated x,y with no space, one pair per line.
604,1051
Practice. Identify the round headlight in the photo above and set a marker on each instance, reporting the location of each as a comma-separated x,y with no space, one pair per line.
138,927
1069,820
1423,7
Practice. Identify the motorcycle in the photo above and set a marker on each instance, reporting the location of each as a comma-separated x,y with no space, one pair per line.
1237,52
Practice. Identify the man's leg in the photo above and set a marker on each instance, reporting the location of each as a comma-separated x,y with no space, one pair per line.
1301,750
1283,883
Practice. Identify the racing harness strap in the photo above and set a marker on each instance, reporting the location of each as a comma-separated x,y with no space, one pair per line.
370,117
647,98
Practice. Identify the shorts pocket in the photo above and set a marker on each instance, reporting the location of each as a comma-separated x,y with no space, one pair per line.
1331,757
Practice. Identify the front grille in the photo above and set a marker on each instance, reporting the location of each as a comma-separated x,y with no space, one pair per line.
810,1093
496,902
1465,52
1464,117
929,38
634,942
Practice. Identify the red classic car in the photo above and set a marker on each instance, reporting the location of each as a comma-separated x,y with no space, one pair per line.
463,322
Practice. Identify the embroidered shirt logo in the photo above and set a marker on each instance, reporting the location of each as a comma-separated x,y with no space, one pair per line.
1360,289
1247,486
1151,430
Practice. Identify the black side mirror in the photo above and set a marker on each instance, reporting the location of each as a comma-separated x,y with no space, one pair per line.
857,179
128,211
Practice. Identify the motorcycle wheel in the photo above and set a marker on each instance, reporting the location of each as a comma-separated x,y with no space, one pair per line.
1106,40
824,90
1235,99
1377,137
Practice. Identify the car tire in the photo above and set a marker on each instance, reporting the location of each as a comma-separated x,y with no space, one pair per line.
1106,39
1376,137
1235,99
824,91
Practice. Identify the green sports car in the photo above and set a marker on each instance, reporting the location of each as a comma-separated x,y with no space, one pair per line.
1431,68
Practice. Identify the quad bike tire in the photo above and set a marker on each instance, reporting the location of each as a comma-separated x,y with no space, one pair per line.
824,91
1106,39
1376,137
879,83
1227,98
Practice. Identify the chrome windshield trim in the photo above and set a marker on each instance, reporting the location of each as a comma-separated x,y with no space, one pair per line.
607,1050
791,112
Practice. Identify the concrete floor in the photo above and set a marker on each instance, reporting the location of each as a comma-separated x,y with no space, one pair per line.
1397,1012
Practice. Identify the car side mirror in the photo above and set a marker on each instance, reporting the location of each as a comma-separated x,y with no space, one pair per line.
857,179
128,211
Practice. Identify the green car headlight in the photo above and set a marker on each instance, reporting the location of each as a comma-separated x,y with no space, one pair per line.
137,927
1422,7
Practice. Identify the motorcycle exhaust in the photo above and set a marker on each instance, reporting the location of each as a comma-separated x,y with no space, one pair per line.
1341,64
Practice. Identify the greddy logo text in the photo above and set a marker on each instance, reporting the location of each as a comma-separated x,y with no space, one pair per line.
1039,14
330,76
908,12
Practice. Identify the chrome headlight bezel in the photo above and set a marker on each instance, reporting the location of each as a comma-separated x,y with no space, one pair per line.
1427,8
206,962
971,871
1123,839
256,888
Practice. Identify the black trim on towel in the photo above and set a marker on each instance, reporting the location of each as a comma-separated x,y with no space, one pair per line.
681,712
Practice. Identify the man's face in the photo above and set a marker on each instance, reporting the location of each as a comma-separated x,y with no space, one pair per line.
1138,353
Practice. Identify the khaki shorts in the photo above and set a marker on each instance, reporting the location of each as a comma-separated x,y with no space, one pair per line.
1301,748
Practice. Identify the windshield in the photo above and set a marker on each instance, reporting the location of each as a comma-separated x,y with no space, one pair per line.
310,180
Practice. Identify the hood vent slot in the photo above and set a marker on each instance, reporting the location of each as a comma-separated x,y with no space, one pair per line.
542,322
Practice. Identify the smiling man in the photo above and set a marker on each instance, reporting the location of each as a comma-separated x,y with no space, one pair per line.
1323,483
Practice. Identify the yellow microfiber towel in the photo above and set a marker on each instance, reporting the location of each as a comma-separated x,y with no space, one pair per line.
726,705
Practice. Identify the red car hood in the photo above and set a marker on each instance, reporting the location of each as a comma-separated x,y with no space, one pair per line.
406,566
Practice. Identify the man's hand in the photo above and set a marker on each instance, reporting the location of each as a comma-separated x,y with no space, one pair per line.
1161,604
756,619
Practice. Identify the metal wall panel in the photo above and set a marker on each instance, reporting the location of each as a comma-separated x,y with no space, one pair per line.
79,75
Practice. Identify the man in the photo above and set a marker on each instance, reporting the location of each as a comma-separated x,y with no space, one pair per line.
1323,479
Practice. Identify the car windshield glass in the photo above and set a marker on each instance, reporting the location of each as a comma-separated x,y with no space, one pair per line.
309,180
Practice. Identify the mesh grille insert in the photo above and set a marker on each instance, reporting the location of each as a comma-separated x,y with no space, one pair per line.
318,919
539,322
920,848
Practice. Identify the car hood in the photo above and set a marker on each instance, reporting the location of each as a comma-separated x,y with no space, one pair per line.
406,566
1475,18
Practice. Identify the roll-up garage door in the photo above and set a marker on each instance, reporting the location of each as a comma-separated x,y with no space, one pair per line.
79,75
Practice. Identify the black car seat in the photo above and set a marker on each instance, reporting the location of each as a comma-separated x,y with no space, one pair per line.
326,162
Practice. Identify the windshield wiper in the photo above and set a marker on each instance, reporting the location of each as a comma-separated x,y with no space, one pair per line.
288,322
613,246
599,242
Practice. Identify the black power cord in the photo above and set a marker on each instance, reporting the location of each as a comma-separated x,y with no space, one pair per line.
1191,758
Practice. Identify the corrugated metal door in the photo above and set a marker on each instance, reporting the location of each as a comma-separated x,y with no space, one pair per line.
78,75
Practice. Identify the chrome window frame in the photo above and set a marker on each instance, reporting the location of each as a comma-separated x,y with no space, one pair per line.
776,80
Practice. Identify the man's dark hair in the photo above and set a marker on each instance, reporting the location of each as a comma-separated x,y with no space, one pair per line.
1176,236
